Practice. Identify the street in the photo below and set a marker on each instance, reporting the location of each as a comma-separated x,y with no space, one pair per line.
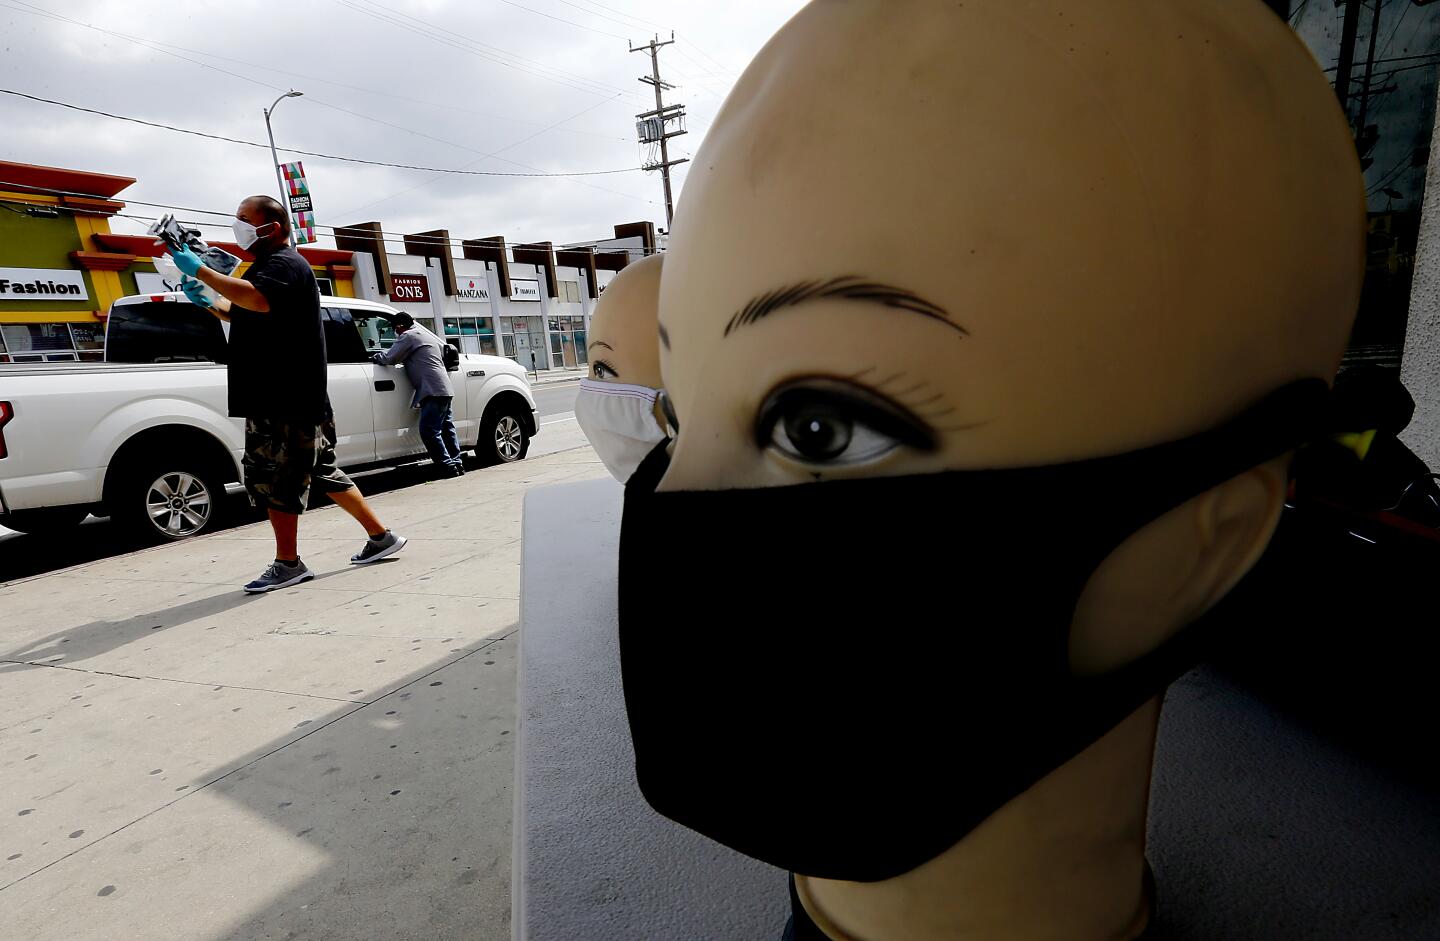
333,760
22,556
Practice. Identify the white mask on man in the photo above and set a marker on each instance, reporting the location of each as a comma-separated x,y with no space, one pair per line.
620,422
245,233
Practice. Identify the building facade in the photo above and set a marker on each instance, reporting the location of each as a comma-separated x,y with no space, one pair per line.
61,267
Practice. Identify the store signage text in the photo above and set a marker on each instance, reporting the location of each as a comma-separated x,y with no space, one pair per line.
472,291
147,282
525,291
42,284
410,288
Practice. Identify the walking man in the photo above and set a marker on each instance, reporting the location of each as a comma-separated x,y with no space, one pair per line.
422,352
277,376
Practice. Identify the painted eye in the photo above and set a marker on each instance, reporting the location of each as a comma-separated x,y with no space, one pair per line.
603,370
825,422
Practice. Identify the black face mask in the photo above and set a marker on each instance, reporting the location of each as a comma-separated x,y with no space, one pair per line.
844,678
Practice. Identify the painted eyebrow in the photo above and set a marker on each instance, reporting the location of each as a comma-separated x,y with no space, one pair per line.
848,288
601,343
664,335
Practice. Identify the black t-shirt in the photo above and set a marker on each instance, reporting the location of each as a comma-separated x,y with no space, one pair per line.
277,359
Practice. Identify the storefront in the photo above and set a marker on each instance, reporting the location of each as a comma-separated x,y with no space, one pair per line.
56,282
61,267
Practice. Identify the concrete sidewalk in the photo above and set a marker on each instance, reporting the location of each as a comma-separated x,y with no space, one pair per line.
181,760
551,376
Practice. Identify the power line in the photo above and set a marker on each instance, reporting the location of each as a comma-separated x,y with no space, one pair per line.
643,23
1425,55
310,153
385,239
312,99
1390,175
375,91
560,19
474,47
525,65
707,55
1398,23
425,183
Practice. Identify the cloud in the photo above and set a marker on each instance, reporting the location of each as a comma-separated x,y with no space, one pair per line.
439,83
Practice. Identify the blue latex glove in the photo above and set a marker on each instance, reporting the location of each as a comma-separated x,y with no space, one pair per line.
195,291
187,261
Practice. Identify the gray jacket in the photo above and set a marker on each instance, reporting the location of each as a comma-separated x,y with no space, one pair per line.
420,351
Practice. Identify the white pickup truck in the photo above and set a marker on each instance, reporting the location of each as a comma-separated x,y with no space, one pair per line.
144,436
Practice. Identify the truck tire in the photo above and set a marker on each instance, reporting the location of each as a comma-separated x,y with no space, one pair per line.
167,500
503,438
47,520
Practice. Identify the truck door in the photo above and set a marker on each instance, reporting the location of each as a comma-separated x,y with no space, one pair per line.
349,389
397,425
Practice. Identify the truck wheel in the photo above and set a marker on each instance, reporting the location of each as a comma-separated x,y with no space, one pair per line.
168,501
49,519
503,438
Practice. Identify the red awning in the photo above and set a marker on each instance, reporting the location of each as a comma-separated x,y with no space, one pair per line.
144,246
35,177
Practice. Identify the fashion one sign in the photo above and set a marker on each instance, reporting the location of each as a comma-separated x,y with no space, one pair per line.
410,288
42,284
472,291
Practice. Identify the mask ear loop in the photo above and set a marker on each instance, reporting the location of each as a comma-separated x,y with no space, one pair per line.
667,408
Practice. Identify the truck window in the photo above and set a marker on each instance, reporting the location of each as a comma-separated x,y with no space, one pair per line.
375,330
342,339
163,332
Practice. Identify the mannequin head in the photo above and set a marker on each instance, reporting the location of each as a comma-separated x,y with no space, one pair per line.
1019,238
618,406
623,343
1077,263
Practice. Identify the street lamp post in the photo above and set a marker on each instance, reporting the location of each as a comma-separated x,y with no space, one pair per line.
275,158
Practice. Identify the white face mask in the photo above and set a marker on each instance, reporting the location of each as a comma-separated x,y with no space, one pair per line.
620,422
245,233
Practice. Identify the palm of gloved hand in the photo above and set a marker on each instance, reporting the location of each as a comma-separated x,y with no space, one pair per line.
195,291
187,261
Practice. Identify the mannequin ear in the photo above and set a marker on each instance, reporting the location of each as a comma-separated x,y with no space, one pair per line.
1175,569
1235,522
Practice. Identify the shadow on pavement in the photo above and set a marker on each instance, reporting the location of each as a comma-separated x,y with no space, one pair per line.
408,800
78,644
24,555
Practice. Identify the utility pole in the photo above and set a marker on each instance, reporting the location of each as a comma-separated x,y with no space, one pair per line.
1348,33
662,124
1369,72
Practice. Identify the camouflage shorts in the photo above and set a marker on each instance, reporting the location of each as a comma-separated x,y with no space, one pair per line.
283,458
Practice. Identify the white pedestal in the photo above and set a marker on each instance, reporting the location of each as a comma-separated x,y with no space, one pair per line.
592,860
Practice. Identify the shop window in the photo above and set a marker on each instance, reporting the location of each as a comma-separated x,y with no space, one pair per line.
470,327
569,292
51,343
327,286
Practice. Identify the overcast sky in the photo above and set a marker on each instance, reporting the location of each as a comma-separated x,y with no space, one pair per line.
489,85
495,85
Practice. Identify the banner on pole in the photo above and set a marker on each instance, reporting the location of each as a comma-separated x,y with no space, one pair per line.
301,207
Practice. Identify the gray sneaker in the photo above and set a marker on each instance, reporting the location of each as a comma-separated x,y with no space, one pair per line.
376,549
279,575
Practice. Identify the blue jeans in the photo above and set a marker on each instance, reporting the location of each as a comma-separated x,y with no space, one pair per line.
437,430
